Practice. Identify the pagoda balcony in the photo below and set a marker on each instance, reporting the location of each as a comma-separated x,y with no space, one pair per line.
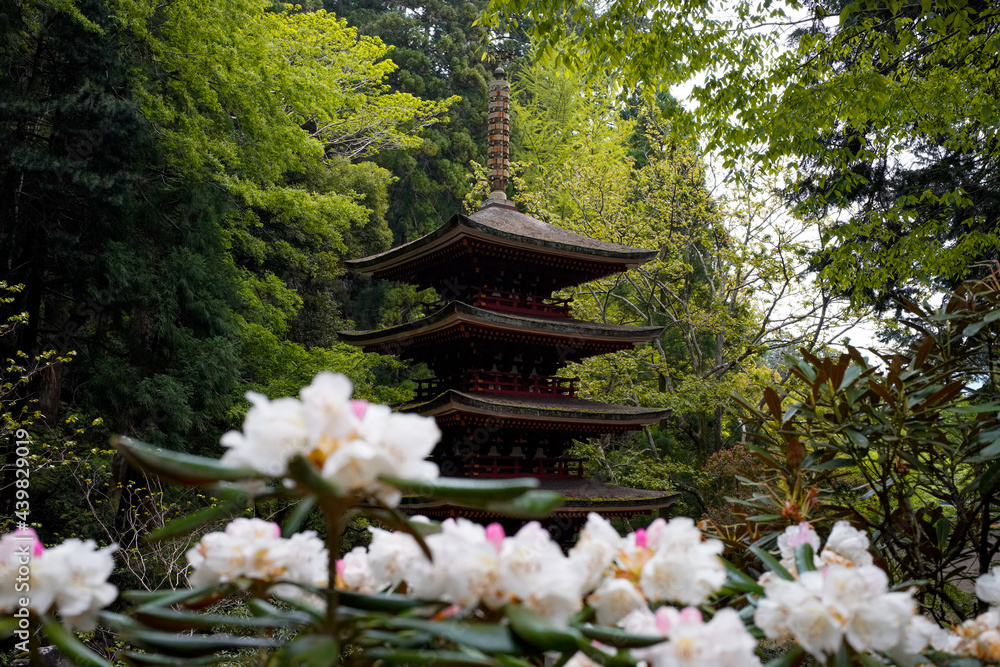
526,304
502,383
519,466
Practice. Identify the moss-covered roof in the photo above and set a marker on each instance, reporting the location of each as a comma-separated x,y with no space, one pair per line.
537,407
456,313
504,226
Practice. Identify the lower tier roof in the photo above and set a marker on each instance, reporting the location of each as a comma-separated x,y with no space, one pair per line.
542,413
582,497
566,337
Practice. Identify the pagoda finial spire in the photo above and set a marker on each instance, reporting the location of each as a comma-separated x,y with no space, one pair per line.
498,153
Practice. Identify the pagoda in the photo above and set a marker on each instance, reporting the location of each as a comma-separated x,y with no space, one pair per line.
497,339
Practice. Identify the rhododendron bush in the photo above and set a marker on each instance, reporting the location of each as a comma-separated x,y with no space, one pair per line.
456,592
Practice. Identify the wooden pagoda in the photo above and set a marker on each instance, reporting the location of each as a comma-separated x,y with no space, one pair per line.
498,338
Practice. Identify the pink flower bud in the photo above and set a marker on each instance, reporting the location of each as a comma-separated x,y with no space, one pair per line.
14,542
690,615
495,534
663,619
340,567
640,538
277,529
359,407
800,535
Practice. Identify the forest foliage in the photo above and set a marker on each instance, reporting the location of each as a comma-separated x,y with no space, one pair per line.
180,183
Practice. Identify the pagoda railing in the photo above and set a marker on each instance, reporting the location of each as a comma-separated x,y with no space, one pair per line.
558,468
529,304
517,466
502,383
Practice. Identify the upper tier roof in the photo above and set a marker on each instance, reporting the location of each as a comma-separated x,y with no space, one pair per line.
499,230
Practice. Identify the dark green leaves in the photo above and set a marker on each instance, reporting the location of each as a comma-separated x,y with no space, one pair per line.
186,469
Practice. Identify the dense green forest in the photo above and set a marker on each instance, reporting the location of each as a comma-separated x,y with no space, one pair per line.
180,184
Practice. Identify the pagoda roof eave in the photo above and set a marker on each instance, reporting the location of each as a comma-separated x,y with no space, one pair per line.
506,227
526,407
456,313
582,496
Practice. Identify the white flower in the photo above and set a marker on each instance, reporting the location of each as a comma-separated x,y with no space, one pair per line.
76,575
409,440
469,559
534,571
683,568
795,610
918,634
794,537
352,442
722,642
464,568
71,577
848,543
988,588
254,549
595,550
273,433
329,414
821,608
392,555
615,599
354,572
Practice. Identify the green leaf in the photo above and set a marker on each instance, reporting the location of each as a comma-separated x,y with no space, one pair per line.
305,473
155,660
771,562
297,516
7,626
541,633
262,608
466,491
387,602
618,638
188,524
740,581
186,469
165,598
427,657
178,621
531,505
804,558
72,647
197,645
310,650
486,637
793,657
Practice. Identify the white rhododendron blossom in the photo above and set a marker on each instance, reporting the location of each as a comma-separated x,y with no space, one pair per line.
254,549
475,565
352,442
691,642
535,572
988,588
842,600
354,572
794,537
595,549
684,567
71,577
392,555
978,637
846,545
615,599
